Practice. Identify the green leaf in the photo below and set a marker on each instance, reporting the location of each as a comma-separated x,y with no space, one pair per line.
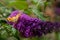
12,38
4,34
57,35
28,11
20,0
34,1
38,13
19,5
13,31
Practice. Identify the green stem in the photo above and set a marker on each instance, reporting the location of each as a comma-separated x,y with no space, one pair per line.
57,35
40,38
44,38
36,38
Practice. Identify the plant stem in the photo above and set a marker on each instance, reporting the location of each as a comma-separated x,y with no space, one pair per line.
57,35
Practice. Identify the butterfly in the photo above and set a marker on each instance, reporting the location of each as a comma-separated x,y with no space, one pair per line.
14,18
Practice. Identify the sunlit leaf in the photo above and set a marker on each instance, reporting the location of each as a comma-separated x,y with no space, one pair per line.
13,31
19,5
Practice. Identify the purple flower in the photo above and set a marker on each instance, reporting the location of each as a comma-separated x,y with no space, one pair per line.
29,27
14,13
57,11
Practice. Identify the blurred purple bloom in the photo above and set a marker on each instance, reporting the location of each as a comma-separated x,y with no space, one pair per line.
57,11
14,13
29,27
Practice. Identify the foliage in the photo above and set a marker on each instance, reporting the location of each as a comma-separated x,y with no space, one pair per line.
36,7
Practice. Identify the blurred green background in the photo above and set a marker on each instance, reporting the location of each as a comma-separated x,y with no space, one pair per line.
34,8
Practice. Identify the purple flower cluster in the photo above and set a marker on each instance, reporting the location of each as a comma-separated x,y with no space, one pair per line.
29,27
